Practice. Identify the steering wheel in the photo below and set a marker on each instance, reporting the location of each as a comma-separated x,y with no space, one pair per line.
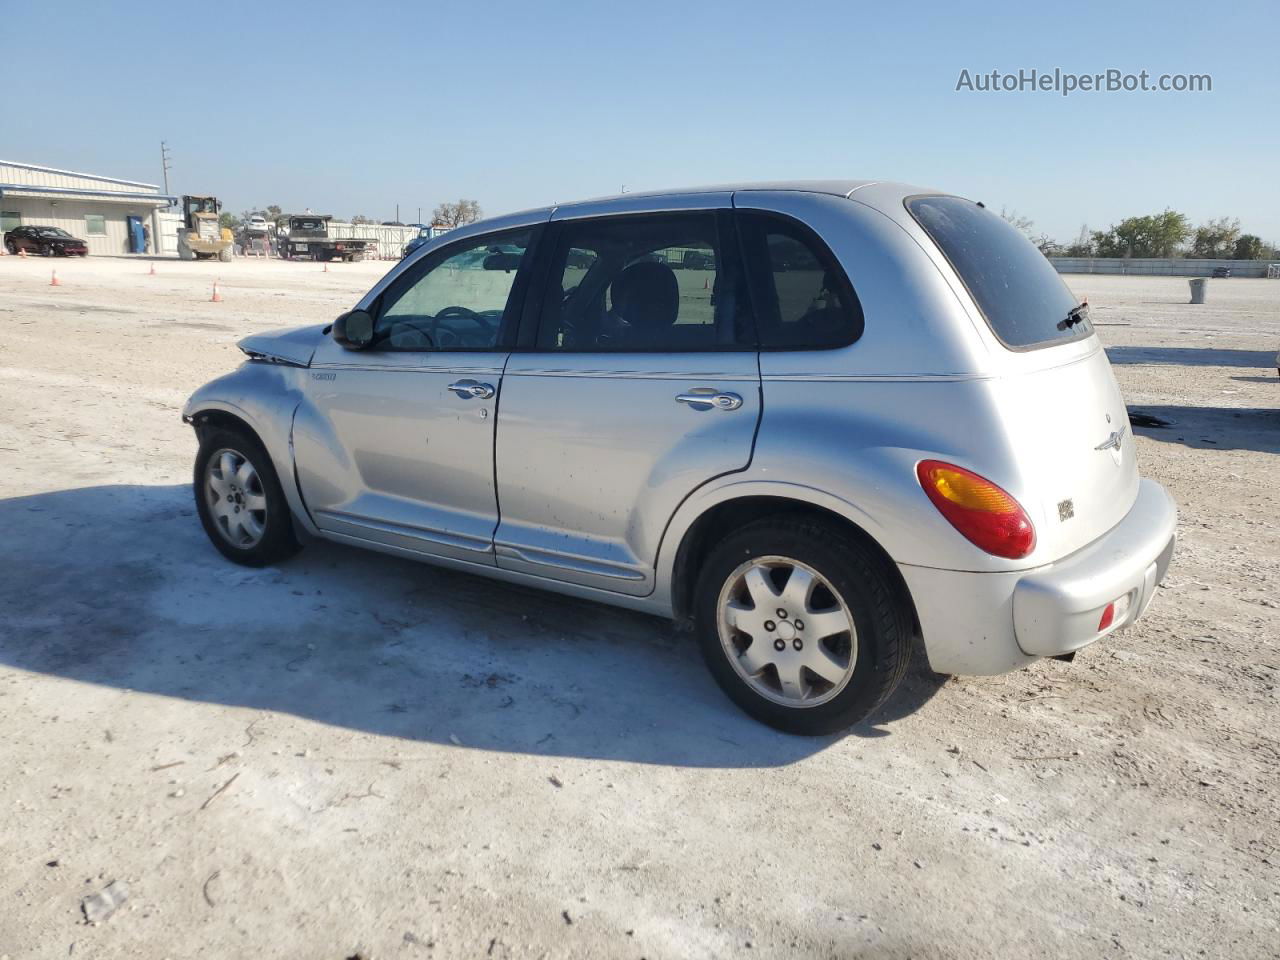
414,325
479,319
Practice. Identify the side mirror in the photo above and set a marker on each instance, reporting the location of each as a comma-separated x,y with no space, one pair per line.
354,330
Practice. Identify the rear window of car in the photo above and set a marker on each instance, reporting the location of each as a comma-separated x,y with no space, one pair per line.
1019,292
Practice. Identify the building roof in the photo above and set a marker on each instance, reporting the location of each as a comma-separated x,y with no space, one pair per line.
35,192
73,173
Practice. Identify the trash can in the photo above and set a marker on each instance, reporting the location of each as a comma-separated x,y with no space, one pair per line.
1198,287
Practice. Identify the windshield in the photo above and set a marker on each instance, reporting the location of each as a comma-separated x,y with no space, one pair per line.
1019,292
54,232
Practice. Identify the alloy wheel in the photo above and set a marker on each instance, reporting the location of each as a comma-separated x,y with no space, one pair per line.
787,631
237,501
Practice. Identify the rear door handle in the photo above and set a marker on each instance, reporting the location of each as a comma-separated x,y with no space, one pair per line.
472,390
704,398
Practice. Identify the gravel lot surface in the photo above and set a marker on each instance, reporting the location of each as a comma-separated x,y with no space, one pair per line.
356,754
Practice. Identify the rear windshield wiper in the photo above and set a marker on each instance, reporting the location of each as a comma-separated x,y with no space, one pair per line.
1077,314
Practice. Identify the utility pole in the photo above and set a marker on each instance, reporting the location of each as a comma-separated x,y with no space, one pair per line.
165,163
397,213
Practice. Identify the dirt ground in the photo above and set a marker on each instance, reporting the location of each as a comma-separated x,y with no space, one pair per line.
356,754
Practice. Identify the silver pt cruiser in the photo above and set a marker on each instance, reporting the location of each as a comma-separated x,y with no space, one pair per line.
822,421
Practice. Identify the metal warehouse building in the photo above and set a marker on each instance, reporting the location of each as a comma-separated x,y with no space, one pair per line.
106,212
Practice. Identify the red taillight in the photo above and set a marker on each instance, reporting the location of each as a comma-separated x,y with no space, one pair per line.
1108,617
987,516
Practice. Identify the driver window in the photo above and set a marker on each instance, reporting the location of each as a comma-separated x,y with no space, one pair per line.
458,302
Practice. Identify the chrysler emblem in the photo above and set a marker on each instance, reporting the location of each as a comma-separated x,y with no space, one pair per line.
1112,442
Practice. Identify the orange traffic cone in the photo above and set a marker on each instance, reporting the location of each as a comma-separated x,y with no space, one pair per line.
22,252
326,267
152,271
217,297
706,284
54,281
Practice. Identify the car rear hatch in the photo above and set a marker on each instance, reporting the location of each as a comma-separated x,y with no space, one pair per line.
1069,429
1059,403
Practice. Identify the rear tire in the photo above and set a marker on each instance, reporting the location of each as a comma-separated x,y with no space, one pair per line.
750,620
241,504
12,248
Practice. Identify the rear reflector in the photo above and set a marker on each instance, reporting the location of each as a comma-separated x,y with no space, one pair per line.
1115,612
1108,617
984,513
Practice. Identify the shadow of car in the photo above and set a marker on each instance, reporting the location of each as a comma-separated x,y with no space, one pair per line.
364,641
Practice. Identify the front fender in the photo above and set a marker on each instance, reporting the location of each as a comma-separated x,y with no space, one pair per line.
265,396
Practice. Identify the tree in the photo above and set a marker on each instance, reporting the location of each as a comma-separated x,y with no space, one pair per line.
1158,235
361,218
1047,246
1216,239
1023,224
229,221
456,214
1248,247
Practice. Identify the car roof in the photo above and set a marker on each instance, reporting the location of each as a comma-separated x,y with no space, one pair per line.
841,188
886,191
886,196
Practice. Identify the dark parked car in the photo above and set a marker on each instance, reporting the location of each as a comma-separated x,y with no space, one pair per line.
46,241
1221,272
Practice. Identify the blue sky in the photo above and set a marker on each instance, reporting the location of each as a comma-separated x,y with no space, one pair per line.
352,107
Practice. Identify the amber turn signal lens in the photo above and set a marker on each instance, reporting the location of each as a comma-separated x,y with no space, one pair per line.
985,514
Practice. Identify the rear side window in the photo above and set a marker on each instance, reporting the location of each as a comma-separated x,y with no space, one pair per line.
644,283
1019,292
803,299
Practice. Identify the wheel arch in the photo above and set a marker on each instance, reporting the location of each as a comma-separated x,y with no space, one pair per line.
214,418
214,414
700,535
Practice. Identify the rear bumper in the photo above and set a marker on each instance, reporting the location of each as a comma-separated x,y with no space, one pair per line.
1057,610
986,623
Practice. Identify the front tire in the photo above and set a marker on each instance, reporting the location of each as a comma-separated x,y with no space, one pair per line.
241,504
801,625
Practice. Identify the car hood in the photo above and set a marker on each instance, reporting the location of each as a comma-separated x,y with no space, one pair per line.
294,346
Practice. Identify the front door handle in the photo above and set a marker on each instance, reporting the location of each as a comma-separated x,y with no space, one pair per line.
472,390
704,398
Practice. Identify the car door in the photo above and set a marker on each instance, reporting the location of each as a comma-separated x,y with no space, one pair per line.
394,443
641,384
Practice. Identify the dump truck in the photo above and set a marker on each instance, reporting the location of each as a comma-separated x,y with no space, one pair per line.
305,236
200,237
